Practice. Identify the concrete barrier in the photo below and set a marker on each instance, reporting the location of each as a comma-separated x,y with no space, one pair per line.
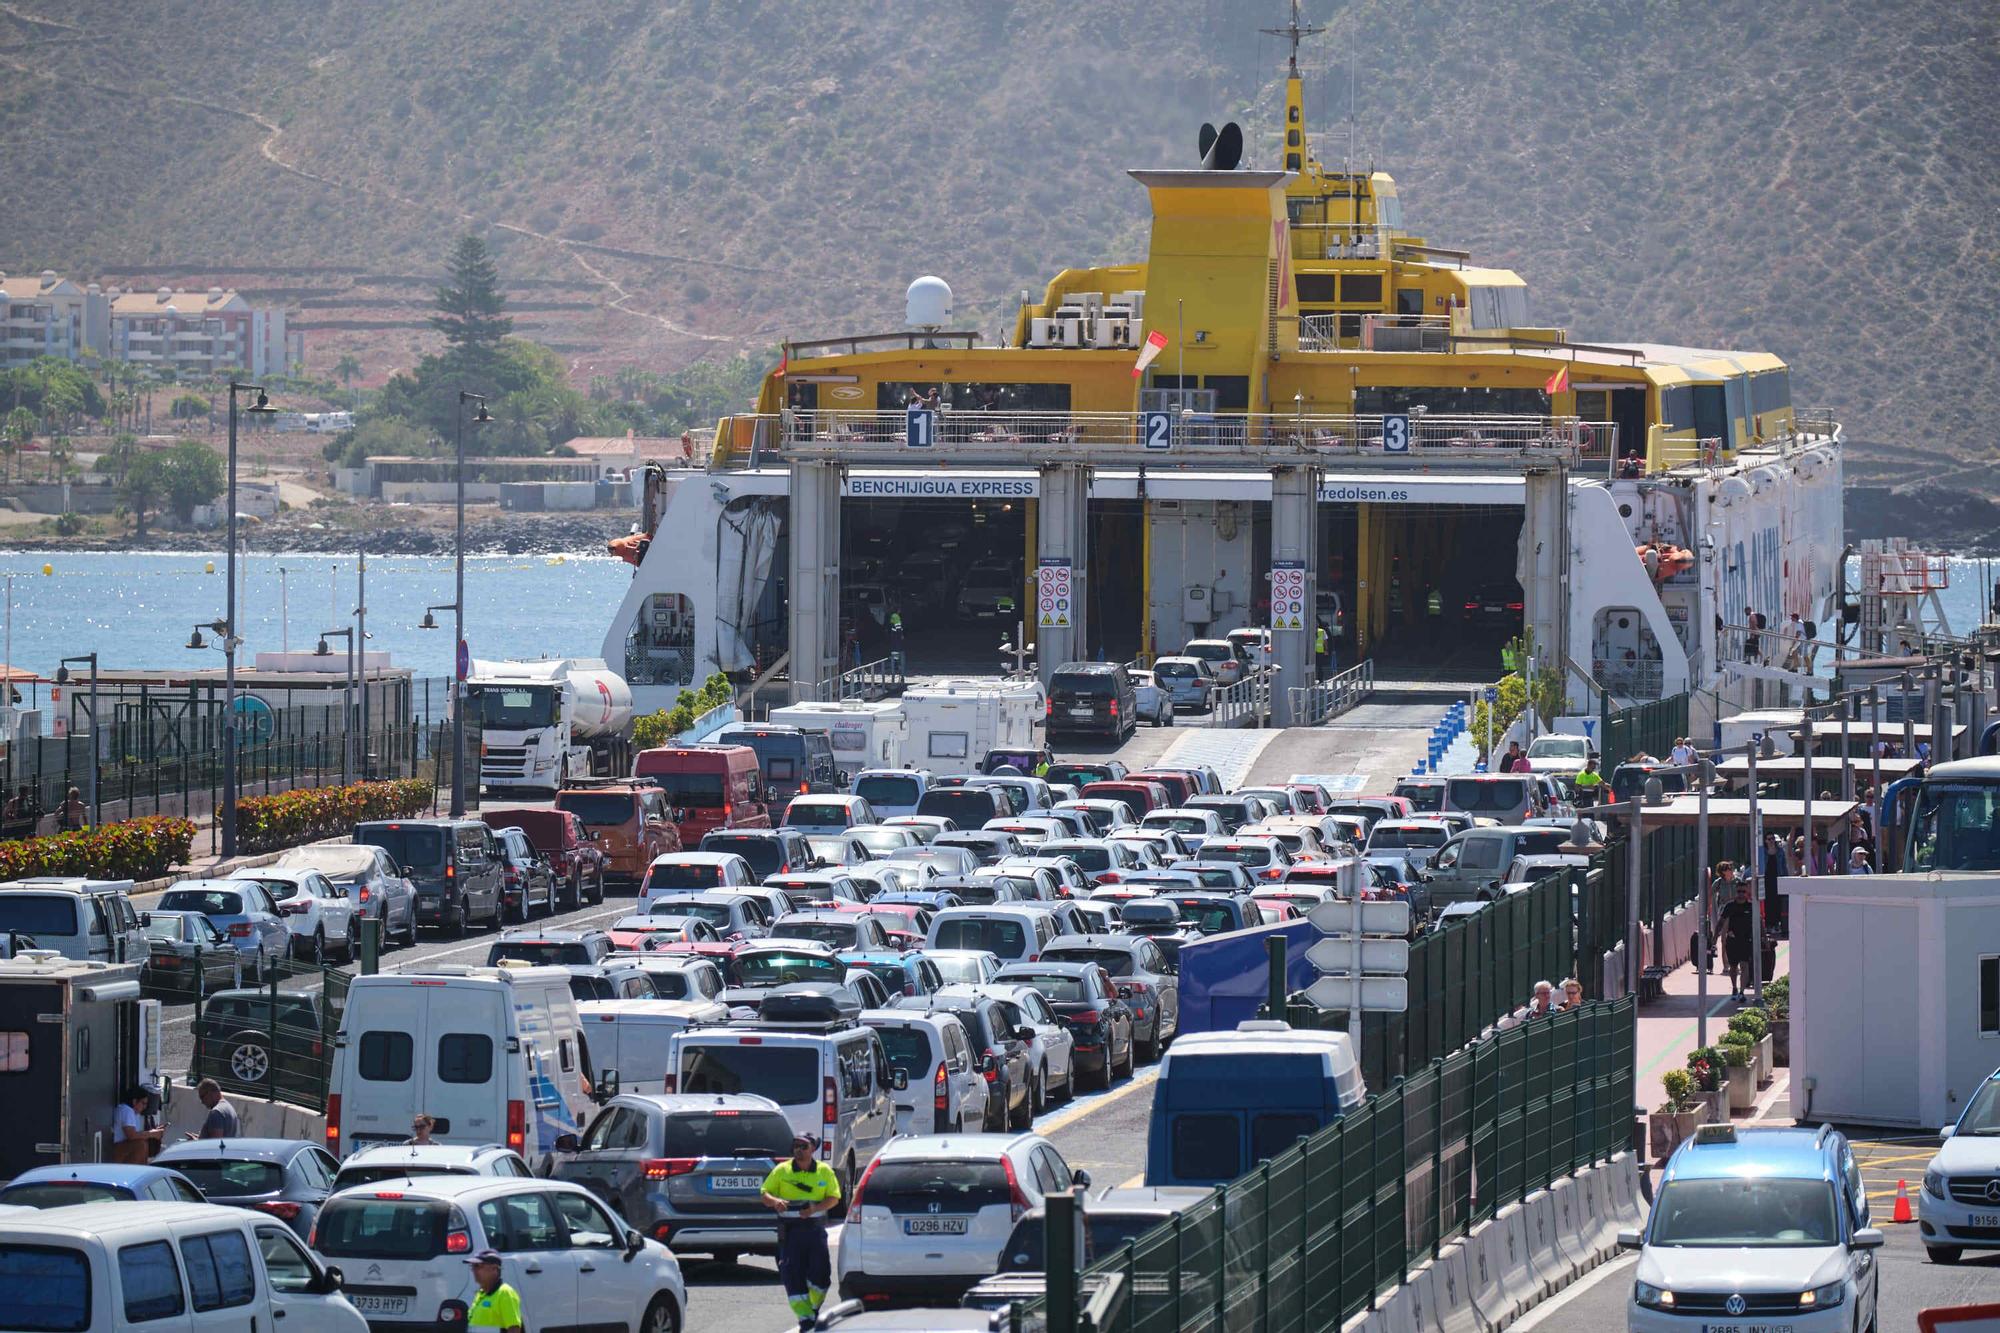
1451,1292
1595,1232
1549,1260
1521,1283
259,1120
1419,1299
1398,1313
1566,1197
1485,1260
1627,1208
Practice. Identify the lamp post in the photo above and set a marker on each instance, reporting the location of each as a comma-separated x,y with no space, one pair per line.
230,639
346,698
284,611
62,678
361,652
459,662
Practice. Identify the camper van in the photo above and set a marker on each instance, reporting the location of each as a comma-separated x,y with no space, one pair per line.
631,1037
80,1037
493,1054
954,722
866,733
1226,1101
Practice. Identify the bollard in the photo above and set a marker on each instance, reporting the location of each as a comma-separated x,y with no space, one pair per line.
1276,947
371,946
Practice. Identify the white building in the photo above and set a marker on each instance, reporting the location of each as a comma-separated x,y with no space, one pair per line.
1895,1005
208,331
42,315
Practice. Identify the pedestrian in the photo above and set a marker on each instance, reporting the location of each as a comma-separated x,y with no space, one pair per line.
72,816
497,1305
1588,781
802,1190
1751,623
1683,753
896,639
1811,644
1795,637
1857,861
1572,994
1513,761
1319,651
134,1138
1736,928
1544,1003
420,1130
222,1122
1721,884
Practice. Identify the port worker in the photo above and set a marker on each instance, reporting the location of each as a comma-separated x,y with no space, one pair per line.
497,1305
802,1190
1587,781
1319,649
896,638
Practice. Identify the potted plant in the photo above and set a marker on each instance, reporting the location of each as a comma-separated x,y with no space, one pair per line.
1677,1116
1711,1093
1754,1024
1778,1001
1742,1077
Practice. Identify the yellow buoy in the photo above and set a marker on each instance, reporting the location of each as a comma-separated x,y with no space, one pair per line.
208,568
48,569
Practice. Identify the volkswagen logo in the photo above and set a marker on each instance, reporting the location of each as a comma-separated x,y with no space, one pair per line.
1993,1190
1735,1305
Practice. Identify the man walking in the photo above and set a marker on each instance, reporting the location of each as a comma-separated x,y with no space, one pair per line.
497,1305
896,640
802,1191
1319,650
1737,930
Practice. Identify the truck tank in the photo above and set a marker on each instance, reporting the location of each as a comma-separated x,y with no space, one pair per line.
603,699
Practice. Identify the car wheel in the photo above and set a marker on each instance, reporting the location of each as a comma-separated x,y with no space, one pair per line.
1146,1052
996,1109
410,928
1943,1254
662,1316
248,1057
317,955
1130,1044
597,898
1026,1115
1042,1091
846,1177
460,923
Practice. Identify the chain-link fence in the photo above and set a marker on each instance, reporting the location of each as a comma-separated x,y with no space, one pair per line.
1316,1234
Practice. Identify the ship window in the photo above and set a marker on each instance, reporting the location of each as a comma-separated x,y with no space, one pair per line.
1361,288
1232,392
1450,400
1317,287
1736,394
1291,138
892,395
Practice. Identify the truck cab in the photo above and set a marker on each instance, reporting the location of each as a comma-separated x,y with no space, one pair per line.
543,723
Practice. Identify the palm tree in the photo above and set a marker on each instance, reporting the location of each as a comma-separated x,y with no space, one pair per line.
19,431
347,368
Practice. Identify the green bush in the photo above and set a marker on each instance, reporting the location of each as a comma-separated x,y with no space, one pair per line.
134,849
659,728
1679,1085
1736,1054
286,819
1778,997
1704,1065
1752,1023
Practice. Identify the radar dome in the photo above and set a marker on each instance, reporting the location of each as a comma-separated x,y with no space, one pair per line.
929,303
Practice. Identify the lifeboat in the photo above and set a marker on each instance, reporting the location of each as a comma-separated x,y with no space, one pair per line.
1663,561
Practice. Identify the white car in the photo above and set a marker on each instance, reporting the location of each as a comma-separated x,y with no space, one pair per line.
694,872
931,1214
926,827
1052,1052
1071,882
1956,1210
1194,824
881,839
943,1089
371,876
675,976
573,1262
970,967
409,1161
828,814
317,912
1561,755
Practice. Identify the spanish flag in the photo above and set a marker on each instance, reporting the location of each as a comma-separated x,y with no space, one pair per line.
1557,383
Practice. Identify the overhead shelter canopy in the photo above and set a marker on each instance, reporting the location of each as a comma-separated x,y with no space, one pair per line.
1734,812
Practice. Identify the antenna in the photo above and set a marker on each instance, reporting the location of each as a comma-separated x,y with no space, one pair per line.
1294,32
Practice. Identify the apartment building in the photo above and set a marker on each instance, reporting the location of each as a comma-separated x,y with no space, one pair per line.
210,331
41,315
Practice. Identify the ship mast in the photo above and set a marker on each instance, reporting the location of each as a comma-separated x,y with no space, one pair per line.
1294,154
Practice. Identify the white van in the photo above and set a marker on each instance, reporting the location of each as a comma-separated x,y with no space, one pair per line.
1013,933
90,920
492,1054
631,1036
119,1265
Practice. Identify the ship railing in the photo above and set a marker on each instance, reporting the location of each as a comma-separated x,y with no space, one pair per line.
1406,333
1340,240
1783,647
1629,679
1031,434
649,663
1326,699
864,680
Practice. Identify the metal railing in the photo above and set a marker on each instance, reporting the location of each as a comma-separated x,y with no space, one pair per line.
1247,703
1340,240
1634,679
1781,648
1326,699
1313,1236
1030,434
884,675
1648,728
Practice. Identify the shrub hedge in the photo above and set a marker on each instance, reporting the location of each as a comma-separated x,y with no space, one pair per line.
286,819
134,849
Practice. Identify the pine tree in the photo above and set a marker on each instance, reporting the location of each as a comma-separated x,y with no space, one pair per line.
469,307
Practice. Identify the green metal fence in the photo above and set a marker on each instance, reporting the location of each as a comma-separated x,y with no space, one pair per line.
1651,728
1319,1232
274,1041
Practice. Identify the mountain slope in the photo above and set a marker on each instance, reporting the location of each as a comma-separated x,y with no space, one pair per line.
1815,180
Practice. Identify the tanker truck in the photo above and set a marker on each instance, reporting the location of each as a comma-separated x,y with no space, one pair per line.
542,723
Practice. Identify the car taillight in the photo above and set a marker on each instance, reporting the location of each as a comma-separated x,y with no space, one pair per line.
803,788
1472,606
993,1070
1114,708
830,1104
333,1123
1273,872
671,1081
660,1168
292,909
727,810
517,1125
1048,708
1015,1197
283,1208
239,930
862,1184
364,895
512,876
451,872
938,1089
1515,606
1104,877
451,1314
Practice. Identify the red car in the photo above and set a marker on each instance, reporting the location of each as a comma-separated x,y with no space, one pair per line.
1139,796
578,862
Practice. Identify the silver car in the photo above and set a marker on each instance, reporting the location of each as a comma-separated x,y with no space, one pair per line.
1155,703
687,1171
371,877
1189,681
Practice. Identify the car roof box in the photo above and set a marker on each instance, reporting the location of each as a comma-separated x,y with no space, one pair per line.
810,1002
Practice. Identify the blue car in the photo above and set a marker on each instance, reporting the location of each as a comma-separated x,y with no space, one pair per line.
97,1182
242,910
283,1177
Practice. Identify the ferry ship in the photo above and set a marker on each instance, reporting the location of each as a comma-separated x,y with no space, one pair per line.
1282,311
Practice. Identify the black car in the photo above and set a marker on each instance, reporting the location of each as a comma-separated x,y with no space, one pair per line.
770,851
1088,1005
1497,603
1082,775
287,1178
454,864
967,807
1003,1053
1092,699
1144,979
525,877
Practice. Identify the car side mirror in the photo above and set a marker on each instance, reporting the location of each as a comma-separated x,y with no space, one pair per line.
900,1080
1631,1238
1027,1033
567,1143
1868,1238
634,1242
1080,1178
1947,1131
989,1063
1124,992
326,1282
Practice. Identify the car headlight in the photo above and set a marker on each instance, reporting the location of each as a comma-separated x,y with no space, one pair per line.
1934,1183
1652,1297
1823,1298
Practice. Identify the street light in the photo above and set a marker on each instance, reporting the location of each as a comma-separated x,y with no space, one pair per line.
230,640
346,698
228,643
457,608
62,678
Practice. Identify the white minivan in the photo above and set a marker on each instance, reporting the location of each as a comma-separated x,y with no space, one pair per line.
118,1265
492,1054
1013,933
631,1036
85,919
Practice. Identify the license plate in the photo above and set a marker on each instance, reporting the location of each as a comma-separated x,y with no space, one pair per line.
1081,712
735,1182
934,1226
1983,1219
381,1304
1758,1327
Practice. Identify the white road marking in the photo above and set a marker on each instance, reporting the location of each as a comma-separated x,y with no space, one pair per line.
1230,752
1070,1115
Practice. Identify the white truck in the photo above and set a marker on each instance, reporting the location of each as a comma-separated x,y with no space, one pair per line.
953,723
544,722
865,733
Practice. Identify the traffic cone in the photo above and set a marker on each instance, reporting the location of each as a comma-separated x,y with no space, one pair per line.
1902,1213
